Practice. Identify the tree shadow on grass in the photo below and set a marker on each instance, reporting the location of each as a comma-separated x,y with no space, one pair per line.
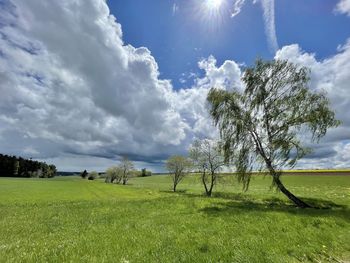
239,204
233,203
181,191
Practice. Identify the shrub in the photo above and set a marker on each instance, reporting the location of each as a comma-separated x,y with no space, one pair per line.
113,175
93,175
144,172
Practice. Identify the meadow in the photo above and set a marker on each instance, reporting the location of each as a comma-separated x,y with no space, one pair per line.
68,219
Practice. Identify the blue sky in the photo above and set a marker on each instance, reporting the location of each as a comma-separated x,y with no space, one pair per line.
178,40
85,82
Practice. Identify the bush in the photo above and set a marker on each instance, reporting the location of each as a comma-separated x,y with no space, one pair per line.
93,175
144,172
136,173
113,175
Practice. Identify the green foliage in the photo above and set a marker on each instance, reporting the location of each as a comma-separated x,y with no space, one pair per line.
66,219
12,166
113,175
260,127
15,168
92,175
127,167
121,173
144,172
136,173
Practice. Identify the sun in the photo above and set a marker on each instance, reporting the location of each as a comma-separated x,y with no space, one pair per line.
213,4
212,13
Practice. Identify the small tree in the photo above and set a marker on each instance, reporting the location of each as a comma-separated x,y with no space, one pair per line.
84,174
127,167
135,173
15,167
178,166
208,159
144,172
52,171
260,126
44,170
113,175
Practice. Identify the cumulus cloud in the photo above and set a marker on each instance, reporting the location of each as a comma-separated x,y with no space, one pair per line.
343,7
331,75
192,102
67,77
69,85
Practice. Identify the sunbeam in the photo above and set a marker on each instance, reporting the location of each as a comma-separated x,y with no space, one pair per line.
213,4
212,12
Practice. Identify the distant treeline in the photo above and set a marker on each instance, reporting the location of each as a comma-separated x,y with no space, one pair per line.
12,166
60,173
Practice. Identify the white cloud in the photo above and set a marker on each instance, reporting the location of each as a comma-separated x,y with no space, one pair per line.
227,75
192,103
343,7
30,150
237,7
67,77
268,7
175,8
270,27
331,75
82,91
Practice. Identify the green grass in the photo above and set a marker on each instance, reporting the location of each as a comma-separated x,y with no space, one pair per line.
74,220
319,171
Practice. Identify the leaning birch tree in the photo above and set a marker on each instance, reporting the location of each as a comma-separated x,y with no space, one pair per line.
261,127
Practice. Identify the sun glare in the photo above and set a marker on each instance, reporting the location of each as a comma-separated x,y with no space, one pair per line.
212,12
213,4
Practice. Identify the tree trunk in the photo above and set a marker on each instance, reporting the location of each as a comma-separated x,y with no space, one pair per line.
298,202
209,192
174,188
205,185
213,178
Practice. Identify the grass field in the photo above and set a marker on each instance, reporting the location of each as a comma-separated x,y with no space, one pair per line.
67,219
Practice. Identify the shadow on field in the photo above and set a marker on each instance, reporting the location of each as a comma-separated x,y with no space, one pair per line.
240,202
181,191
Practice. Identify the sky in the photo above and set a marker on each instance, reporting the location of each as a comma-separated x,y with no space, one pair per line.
85,82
